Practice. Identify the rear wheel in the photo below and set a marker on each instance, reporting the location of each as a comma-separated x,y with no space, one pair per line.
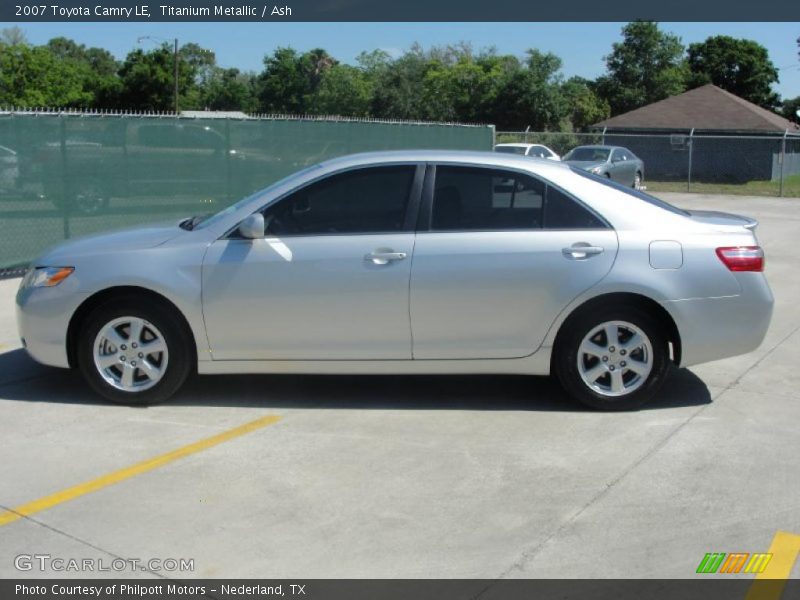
637,181
614,359
134,354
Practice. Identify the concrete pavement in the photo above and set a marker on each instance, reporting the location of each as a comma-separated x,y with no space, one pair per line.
479,477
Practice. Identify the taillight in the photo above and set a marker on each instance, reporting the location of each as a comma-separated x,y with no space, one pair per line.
742,258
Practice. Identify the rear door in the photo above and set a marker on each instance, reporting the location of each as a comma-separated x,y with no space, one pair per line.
498,255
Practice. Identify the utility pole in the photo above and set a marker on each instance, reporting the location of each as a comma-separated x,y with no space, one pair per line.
176,76
174,64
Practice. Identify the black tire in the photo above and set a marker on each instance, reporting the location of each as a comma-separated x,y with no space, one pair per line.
565,358
178,341
637,184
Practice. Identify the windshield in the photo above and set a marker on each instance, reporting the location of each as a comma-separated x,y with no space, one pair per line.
209,220
588,154
510,149
631,192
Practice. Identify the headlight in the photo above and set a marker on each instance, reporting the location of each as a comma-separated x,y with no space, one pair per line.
595,170
46,276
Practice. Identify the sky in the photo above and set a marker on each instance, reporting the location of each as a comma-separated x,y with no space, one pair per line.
581,46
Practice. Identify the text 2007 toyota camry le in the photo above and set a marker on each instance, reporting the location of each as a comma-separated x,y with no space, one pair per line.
407,262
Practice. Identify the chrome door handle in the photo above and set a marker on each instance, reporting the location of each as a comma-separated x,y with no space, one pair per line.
581,251
383,258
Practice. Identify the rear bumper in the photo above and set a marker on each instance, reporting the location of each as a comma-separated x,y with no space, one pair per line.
716,328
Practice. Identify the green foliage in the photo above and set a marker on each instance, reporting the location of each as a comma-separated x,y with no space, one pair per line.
34,76
440,83
645,67
228,89
290,79
739,66
585,106
343,90
97,69
147,78
790,108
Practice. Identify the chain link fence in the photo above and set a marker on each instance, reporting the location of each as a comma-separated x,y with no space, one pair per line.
755,165
67,174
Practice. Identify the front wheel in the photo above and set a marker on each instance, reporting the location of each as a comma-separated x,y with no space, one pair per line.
614,359
134,354
637,181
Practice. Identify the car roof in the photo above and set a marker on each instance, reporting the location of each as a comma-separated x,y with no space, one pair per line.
517,145
601,147
469,157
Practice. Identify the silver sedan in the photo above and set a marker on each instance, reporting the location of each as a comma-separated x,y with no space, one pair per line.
613,162
407,262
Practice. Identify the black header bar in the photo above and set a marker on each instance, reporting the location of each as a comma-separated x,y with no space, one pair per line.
396,10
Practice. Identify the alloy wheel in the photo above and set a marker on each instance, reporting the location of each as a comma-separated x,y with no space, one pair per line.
615,358
130,354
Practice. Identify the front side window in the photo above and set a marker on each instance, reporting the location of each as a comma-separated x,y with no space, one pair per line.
467,198
371,200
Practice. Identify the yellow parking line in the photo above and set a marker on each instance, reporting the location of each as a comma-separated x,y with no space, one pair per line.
9,516
784,549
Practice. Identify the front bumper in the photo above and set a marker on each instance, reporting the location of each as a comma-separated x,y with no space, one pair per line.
717,328
43,316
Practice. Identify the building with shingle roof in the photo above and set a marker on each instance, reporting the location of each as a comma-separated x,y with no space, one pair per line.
730,138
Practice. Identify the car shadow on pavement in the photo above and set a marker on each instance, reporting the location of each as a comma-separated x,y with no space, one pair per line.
22,379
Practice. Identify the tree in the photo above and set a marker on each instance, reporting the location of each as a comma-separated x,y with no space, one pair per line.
13,36
457,85
398,84
584,106
97,68
290,79
741,67
147,79
34,77
229,89
790,108
645,67
530,94
343,90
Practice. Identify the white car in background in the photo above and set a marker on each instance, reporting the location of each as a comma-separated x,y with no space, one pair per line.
535,150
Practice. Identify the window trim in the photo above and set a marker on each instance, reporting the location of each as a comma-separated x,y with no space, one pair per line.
429,187
409,219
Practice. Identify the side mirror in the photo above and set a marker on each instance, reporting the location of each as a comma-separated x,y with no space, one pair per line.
252,228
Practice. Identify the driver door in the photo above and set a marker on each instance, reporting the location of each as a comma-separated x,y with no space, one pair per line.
330,279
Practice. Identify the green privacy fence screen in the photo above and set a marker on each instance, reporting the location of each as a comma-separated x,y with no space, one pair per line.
64,175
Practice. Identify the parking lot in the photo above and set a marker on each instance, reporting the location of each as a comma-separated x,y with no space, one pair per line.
414,477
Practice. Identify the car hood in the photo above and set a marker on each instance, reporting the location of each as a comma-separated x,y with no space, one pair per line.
585,164
133,238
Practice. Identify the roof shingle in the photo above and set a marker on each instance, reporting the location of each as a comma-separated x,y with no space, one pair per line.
707,108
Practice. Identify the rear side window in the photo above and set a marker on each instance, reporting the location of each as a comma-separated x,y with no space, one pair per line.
563,212
631,192
475,199
372,200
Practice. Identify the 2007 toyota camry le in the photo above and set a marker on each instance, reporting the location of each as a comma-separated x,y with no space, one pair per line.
408,262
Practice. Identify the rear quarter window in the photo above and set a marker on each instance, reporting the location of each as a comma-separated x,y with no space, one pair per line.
631,192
